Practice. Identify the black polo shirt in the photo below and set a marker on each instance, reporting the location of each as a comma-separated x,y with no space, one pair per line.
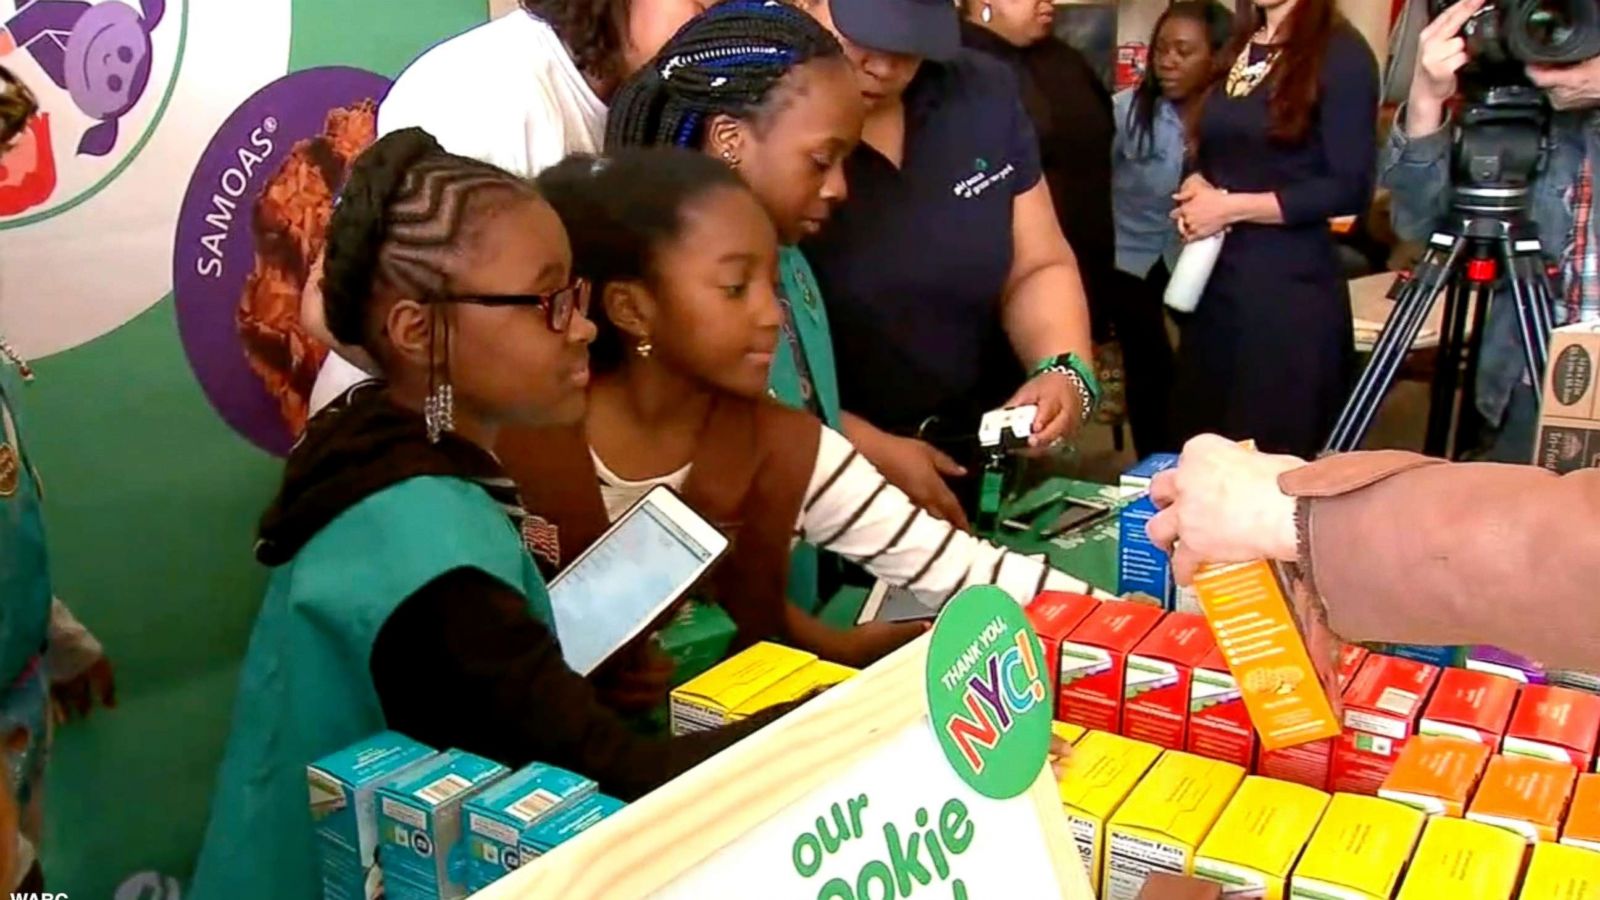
913,265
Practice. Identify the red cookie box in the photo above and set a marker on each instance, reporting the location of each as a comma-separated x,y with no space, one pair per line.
1382,707
1555,723
1156,685
1053,615
1312,764
1219,723
1472,706
1094,663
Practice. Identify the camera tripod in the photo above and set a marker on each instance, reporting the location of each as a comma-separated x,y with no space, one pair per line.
1487,240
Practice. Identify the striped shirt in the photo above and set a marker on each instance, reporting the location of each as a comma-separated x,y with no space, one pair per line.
852,510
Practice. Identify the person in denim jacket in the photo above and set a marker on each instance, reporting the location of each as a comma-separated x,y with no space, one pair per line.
1415,166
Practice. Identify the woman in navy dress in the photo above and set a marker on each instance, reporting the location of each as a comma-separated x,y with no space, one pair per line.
1285,141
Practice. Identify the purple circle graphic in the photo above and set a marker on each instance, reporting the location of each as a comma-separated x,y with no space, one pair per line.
252,222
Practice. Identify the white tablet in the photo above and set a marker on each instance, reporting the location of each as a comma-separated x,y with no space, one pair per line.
648,559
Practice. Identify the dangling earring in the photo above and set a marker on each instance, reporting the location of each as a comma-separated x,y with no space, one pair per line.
644,348
987,15
439,409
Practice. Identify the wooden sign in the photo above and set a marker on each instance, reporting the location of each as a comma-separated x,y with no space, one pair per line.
847,798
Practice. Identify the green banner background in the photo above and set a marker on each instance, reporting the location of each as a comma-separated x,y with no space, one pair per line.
152,503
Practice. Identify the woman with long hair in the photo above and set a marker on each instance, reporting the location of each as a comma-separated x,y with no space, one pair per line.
1147,157
1285,139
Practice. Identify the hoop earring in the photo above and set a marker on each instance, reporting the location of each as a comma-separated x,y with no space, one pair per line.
439,409
987,15
644,348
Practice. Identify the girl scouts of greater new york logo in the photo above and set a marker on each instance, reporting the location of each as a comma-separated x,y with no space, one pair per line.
982,179
103,72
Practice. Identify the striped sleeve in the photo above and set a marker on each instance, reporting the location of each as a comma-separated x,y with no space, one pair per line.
852,510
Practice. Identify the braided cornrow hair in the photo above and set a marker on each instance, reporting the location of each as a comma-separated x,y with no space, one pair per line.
402,223
726,61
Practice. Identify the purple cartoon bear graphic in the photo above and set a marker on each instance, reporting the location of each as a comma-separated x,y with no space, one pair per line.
99,53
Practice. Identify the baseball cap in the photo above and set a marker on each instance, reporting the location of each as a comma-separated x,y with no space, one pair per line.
927,28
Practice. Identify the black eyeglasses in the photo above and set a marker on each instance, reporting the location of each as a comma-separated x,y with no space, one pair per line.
558,305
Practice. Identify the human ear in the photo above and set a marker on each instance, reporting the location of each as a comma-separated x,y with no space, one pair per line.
630,307
725,139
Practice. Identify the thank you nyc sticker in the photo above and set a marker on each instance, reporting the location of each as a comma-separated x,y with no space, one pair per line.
988,697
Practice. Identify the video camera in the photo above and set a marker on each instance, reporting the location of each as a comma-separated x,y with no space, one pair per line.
1506,35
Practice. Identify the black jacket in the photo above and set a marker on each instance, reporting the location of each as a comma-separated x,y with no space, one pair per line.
1071,111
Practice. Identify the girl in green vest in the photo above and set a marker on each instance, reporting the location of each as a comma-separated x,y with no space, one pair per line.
401,596
761,86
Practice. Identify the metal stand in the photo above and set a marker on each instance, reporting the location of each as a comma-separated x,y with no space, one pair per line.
1489,241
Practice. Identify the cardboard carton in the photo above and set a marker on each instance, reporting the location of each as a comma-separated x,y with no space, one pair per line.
1054,615
1524,794
556,829
695,639
705,701
1569,416
1582,828
794,686
1105,768
1255,844
1555,723
496,818
1558,872
1291,697
419,821
1219,724
1464,860
1443,657
1381,709
1144,571
1094,663
1359,850
1160,672
1495,661
1472,706
1436,774
1312,764
344,811
1165,819
1588,682
1068,732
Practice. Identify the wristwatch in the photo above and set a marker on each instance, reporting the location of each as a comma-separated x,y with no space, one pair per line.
1080,373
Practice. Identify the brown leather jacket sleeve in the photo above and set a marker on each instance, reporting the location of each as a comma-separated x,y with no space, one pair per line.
1408,549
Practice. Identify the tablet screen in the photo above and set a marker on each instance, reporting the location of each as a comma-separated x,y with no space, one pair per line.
622,583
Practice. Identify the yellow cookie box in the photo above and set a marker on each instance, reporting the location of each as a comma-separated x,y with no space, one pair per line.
1253,847
1068,732
1464,860
1359,850
799,683
707,700
1559,872
1104,769
1165,820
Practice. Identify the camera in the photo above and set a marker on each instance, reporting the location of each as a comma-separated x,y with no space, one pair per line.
1514,33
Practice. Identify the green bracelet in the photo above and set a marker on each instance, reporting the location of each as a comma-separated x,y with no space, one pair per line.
1077,370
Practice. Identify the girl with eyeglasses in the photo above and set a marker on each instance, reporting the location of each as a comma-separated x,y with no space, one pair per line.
401,596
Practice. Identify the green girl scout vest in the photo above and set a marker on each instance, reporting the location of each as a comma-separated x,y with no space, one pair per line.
306,690
809,319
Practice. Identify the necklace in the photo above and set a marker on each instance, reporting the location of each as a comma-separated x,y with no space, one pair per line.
9,353
1245,76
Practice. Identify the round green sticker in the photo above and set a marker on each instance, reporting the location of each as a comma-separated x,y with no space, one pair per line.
988,693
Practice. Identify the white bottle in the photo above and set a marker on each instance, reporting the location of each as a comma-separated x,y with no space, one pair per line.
1192,271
